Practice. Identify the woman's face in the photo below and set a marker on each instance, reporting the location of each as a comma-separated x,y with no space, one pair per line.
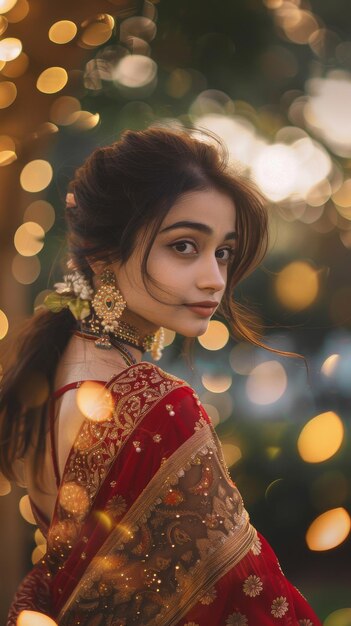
190,262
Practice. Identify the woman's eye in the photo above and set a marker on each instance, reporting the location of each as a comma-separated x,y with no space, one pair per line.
182,244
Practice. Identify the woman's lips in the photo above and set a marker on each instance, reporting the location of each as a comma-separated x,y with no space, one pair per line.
205,311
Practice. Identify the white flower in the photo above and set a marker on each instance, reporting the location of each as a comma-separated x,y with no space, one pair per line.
252,586
256,546
305,622
279,606
76,283
236,619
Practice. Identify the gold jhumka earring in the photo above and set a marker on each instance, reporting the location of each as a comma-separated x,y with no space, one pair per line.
109,304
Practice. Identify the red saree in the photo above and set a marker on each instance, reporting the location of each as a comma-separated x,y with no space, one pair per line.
149,528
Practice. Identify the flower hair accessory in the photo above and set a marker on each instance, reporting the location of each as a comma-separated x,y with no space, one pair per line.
75,293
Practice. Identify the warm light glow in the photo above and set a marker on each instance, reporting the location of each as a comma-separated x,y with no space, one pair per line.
62,109
223,403
135,70
36,175
16,68
52,79
341,617
33,618
62,32
38,553
275,170
19,12
4,324
232,454
216,383
3,27
328,530
39,537
84,120
321,437
5,486
97,31
8,93
28,239
213,413
74,498
7,157
26,510
242,358
297,286
10,48
94,401
169,336
327,110
6,5
26,270
342,199
330,364
215,337
41,212
266,383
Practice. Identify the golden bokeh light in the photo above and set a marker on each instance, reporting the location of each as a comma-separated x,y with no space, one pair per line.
62,32
232,453
139,26
26,270
36,175
38,553
28,239
19,12
135,71
328,530
41,212
242,358
321,437
97,31
94,401
39,537
34,618
84,120
217,383
3,26
330,364
10,48
26,510
340,617
5,485
266,383
169,337
4,324
34,390
273,452
62,109
6,5
16,68
8,93
52,80
342,199
297,286
215,337
7,157
213,413
223,403
74,498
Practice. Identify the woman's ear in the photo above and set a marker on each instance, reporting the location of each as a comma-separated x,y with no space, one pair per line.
96,266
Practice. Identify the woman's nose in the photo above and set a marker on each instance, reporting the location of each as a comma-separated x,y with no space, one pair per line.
211,276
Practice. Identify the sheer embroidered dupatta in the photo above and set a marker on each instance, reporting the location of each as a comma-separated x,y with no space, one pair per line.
147,518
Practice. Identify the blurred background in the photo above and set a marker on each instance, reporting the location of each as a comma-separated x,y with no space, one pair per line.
272,78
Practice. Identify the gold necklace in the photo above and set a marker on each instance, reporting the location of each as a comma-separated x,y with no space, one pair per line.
125,332
127,356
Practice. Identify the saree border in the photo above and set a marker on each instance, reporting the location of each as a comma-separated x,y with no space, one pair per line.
212,567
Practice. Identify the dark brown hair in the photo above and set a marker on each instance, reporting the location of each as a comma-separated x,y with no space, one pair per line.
120,189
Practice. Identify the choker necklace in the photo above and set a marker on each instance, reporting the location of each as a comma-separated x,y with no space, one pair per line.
127,356
125,332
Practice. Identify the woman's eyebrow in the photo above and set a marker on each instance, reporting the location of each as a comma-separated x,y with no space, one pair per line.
204,228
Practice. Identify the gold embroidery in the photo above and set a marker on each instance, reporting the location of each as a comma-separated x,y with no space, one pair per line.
91,458
171,553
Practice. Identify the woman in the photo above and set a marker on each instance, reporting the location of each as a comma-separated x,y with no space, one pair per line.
143,522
